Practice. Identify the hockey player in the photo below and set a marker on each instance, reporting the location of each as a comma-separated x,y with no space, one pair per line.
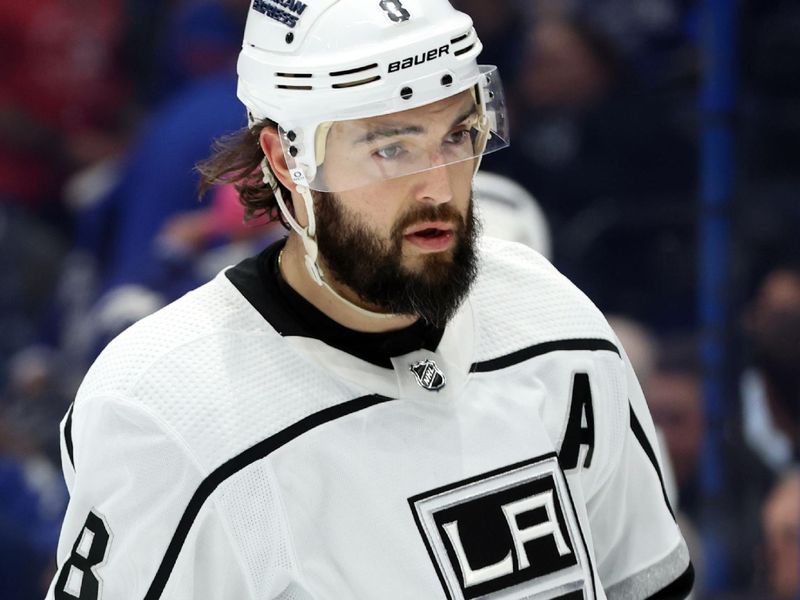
382,406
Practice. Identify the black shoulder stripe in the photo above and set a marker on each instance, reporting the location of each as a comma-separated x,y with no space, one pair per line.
532,351
236,464
68,436
678,589
638,431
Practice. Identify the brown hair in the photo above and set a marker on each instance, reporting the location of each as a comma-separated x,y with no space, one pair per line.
236,159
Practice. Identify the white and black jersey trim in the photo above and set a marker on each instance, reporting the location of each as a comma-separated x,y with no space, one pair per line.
519,356
641,437
681,587
640,585
236,464
68,436
678,589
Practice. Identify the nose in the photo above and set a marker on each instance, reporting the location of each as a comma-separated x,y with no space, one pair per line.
434,186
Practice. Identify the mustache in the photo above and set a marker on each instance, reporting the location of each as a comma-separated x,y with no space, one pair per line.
420,214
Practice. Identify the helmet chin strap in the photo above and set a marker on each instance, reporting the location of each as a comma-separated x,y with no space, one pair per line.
308,235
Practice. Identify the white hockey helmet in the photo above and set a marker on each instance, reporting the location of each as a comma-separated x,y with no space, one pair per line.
307,64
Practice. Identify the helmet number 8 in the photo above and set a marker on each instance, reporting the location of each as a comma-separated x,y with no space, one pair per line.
395,10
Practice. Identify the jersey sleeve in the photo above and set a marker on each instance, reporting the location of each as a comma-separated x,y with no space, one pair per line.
131,481
639,548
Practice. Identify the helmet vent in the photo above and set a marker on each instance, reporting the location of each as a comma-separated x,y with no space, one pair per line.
463,50
353,71
292,86
469,39
349,84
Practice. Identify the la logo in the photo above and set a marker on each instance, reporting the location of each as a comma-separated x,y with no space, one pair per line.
521,536
511,533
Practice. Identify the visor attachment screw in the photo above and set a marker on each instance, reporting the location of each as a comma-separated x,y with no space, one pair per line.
292,136
491,95
447,80
293,151
406,93
289,37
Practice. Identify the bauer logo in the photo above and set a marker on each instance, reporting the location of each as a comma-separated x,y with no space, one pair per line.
510,534
419,59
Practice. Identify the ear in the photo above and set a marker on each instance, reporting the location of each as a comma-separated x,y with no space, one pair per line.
271,145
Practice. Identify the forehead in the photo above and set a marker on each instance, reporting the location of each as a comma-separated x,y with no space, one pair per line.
443,111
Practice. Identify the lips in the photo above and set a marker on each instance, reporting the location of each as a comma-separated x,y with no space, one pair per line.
431,236
429,228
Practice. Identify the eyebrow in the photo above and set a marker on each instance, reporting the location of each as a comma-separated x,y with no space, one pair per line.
388,131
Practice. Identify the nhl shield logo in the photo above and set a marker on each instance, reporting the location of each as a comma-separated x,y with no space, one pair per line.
428,375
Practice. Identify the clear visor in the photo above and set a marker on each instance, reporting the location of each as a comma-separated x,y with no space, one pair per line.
457,130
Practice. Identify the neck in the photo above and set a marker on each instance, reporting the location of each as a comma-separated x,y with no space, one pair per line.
293,270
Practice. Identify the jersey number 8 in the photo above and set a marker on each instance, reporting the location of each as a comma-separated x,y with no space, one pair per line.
77,578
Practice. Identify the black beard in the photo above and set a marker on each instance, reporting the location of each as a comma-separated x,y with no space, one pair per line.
354,256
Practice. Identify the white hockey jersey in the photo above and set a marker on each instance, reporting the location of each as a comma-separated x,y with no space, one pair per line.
238,445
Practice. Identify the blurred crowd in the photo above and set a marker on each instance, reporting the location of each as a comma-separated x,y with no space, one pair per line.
107,105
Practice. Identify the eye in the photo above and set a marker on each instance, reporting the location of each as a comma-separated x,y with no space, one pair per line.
458,137
391,152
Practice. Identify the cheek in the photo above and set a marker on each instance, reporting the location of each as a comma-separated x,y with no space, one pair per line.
461,181
373,207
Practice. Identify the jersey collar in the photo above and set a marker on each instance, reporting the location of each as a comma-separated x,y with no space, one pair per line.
259,280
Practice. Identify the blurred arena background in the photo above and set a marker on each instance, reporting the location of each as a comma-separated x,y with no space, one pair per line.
655,160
